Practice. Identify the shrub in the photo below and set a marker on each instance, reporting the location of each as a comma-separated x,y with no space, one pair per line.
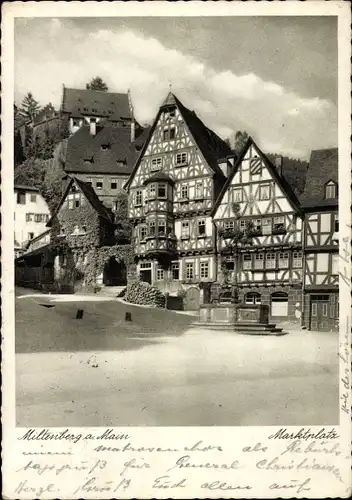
142,293
122,293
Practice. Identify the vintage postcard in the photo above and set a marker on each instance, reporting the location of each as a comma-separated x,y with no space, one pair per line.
176,278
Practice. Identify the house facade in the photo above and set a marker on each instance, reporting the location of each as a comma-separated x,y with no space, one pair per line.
321,250
172,191
31,216
267,267
80,226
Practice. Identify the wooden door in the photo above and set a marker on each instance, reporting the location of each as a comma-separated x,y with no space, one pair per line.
320,315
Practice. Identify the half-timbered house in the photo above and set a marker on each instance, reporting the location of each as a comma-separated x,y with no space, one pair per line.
321,279
172,191
267,267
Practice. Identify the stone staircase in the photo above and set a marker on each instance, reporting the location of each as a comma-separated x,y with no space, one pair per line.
241,328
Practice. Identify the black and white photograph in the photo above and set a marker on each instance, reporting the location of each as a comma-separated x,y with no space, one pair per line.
179,245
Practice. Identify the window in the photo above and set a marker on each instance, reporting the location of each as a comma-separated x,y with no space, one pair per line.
143,232
152,228
204,270
37,218
255,166
170,114
243,225
229,224
199,194
33,198
253,298
259,261
75,122
270,261
266,226
156,164
330,190
161,227
161,190
159,273
138,198
89,181
70,203
184,192
237,195
169,134
99,184
84,229
77,203
29,217
283,260
30,236
185,229
145,265
189,270
264,192
279,224
336,223
113,185
152,191
181,159
257,224
175,270
105,147
21,198
247,261
297,259
335,263
201,227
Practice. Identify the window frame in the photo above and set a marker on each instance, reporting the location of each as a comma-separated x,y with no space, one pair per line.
259,261
164,187
204,265
247,264
175,270
282,260
239,191
297,259
330,185
138,194
189,266
156,164
271,260
185,234
261,188
201,223
182,161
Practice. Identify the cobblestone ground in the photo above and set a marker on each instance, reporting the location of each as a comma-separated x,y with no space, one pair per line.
157,370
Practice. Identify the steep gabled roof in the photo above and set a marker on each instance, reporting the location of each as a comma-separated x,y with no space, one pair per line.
79,102
281,181
210,144
108,151
91,197
323,167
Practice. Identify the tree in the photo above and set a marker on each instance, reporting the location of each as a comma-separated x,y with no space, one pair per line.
240,141
97,83
29,107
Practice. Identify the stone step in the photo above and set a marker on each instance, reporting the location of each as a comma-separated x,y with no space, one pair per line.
249,329
111,290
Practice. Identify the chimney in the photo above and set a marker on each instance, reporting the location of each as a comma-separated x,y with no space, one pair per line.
278,164
92,126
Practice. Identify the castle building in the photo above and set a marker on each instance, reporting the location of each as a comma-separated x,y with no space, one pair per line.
105,140
321,258
267,267
172,191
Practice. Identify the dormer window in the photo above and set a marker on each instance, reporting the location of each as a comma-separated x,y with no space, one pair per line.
330,190
105,147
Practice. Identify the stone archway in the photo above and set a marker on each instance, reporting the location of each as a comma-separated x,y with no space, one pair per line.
114,273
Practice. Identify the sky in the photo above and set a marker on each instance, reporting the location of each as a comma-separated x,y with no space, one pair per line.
275,77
